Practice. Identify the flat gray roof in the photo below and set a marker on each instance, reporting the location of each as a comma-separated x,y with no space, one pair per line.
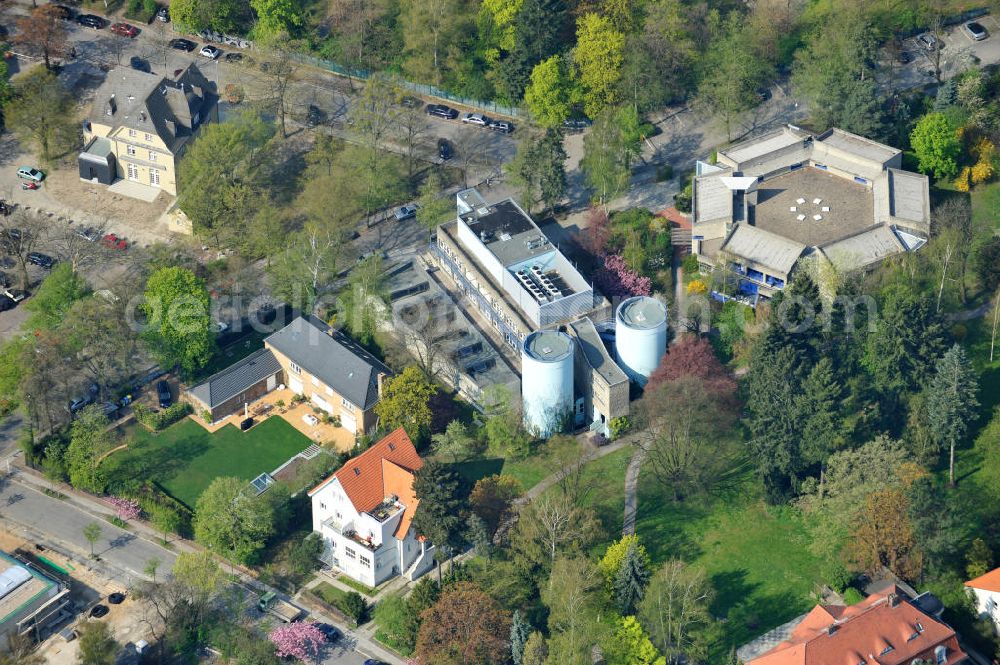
859,145
714,199
851,206
863,249
506,231
909,196
548,345
593,350
764,144
764,248
642,313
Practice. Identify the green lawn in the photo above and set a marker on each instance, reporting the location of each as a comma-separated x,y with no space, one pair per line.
757,556
528,471
185,458
986,205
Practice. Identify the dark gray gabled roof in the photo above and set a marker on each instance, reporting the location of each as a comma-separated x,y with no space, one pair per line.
333,358
236,378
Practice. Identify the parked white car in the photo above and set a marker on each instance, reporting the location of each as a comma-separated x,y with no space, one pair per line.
210,52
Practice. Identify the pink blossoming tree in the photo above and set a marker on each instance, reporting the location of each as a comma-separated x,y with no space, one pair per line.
616,280
125,509
299,640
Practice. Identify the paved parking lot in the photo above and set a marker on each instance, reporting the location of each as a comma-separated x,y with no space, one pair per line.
959,53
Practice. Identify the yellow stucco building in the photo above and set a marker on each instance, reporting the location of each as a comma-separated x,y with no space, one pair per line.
141,123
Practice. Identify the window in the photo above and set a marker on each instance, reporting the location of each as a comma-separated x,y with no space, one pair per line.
346,404
350,553
154,177
295,368
152,156
147,137
130,150
131,133
322,506
133,172
366,562
886,650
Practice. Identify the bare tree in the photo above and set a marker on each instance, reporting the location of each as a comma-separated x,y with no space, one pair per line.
79,251
676,603
420,328
553,523
471,149
412,128
279,71
19,235
354,22
43,29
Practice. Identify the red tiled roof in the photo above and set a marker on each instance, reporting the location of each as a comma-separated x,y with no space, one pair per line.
361,476
872,632
988,582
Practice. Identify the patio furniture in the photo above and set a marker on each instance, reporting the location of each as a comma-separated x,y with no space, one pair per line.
800,201
817,217
793,209
825,209
310,419
816,202
800,217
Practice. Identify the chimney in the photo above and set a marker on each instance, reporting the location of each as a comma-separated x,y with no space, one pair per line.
382,376
893,599
831,629
111,107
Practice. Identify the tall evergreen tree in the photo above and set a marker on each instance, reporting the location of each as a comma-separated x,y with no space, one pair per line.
520,630
631,580
819,406
438,515
952,403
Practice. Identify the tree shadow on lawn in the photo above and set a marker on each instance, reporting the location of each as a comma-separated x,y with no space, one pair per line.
665,526
747,612
161,463
473,470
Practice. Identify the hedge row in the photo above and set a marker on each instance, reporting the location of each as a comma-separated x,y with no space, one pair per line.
157,420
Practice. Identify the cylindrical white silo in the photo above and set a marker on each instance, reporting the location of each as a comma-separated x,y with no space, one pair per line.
640,336
547,381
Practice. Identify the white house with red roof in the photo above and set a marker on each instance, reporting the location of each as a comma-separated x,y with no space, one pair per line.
886,628
364,513
986,591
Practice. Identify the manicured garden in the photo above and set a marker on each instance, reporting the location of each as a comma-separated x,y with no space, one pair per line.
184,458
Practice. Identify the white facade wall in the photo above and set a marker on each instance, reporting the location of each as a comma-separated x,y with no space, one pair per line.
391,556
546,388
988,606
474,246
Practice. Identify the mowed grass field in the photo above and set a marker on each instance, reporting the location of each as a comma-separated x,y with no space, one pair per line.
184,458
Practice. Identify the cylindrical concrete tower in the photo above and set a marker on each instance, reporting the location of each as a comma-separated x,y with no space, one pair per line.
640,336
547,381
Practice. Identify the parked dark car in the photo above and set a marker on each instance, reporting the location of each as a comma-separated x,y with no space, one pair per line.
315,116
411,102
183,45
139,64
234,57
98,611
64,12
43,260
116,598
163,393
445,150
441,111
163,15
329,632
6,303
90,21
501,126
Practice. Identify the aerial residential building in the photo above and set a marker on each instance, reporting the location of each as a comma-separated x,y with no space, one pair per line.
887,628
364,513
776,200
29,600
309,358
141,123
986,591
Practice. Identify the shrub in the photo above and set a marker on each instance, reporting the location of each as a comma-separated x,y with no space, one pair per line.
664,173
682,199
618,426
981,172
206,415
157,420
690,264
962,182
149,7
852,596
234,94
697,288
280,403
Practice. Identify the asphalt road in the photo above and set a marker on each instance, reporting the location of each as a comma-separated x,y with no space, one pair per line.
63,523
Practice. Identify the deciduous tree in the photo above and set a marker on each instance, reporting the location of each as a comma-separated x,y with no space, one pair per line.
45,30
552,525
232,521
179,326
936,145
571,596
597,59
97,644
675,609
538,169
493,497
609,149
89,441
405,402
60,289
632,645
732,73
464,627
41,113
551,93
